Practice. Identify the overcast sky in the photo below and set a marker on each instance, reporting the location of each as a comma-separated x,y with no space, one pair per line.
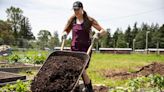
52,15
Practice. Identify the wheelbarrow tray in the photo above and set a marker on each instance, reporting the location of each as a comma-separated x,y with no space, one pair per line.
59,72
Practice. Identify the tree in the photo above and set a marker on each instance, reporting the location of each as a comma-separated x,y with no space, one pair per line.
20,26
121,43
56,36
54,41
25,31
14,17
115,37
140,40
6,36
128,37
141,36
154,36
68,42
43,37
106,39
161,41
134,32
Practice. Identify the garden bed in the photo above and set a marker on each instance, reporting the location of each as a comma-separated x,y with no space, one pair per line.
18,67
8,77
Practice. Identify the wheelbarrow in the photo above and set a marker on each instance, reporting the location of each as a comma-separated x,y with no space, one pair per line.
47,81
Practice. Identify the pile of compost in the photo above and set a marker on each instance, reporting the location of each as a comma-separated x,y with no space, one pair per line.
153,68
58,74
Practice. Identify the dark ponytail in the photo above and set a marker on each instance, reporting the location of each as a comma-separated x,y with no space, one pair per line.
87,23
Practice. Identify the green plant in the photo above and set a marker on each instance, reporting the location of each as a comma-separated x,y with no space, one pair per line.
39,59
20,86
26,59
13,58
157,81
152,82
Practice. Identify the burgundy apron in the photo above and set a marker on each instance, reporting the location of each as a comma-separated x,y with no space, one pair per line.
80,38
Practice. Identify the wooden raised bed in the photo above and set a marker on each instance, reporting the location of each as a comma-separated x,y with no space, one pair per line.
9,77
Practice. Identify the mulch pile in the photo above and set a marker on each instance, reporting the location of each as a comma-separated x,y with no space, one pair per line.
153,68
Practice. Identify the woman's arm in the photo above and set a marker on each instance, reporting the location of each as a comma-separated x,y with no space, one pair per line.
68,26
98,27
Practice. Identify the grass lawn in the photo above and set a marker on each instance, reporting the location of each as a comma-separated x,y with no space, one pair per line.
132,62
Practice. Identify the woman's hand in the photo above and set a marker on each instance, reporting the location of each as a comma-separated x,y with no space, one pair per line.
96,36
64,35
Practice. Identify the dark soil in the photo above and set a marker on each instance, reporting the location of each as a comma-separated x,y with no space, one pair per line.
101,89
58,74
153,68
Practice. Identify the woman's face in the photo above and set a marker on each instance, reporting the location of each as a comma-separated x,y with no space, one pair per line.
78,12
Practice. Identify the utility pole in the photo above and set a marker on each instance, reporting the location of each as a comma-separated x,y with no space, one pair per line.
134,45
146,48
158,48
127,45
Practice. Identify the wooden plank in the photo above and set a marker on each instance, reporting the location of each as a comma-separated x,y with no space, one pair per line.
8,77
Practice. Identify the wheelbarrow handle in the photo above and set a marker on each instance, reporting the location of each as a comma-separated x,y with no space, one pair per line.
62,45
88,51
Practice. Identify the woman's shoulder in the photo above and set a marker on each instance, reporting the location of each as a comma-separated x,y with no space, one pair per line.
91,19
70,20
72,17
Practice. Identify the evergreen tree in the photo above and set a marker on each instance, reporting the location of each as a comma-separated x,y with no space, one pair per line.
115,37
140,40
134,30
25,31
121,43
154,36
161,41
128,37
105,40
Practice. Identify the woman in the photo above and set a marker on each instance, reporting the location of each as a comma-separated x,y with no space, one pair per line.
80,24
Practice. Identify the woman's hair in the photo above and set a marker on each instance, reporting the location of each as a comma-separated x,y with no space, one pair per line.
87,23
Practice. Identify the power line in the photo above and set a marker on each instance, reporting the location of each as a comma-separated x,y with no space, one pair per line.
136,14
